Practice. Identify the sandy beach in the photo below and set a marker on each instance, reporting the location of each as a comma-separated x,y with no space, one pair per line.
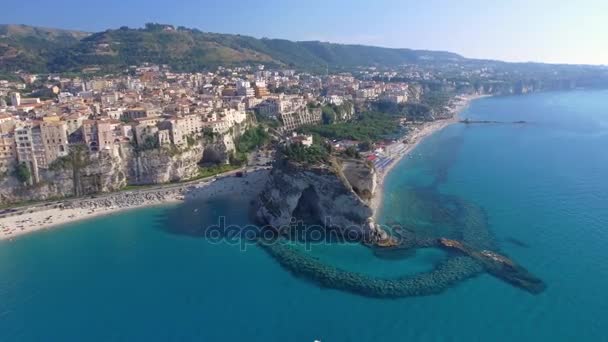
414,138
51,215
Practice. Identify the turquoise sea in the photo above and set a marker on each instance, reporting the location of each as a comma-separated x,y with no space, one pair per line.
541,188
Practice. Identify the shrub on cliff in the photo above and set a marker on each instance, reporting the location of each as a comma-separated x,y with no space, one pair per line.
149,143
22,173
253,138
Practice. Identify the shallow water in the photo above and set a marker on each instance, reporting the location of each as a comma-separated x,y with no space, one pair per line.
541,189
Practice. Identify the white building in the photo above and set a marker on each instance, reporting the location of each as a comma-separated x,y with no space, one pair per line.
243,88
305,140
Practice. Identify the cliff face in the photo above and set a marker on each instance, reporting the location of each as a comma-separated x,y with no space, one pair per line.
106,172
219,150
111,170
103,172
164,166
320,195
361,178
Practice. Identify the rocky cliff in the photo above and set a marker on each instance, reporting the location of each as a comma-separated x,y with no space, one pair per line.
83,173
102,172
320,195
111,170
164,165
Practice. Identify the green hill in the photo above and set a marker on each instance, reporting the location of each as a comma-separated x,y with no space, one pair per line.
29,48
39,50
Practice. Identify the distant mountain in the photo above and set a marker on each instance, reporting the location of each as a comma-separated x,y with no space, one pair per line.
51,50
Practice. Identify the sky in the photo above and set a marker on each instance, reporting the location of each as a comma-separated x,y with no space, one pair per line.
552,31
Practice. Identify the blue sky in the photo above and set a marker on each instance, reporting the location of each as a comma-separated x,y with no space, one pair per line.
514,30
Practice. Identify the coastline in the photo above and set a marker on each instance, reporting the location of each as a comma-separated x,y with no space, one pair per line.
421,132
44,216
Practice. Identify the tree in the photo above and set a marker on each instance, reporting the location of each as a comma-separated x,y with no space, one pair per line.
311,155
366,146
22,173
190,140
155,27
328,115
368,126
253,138
150,143
352,152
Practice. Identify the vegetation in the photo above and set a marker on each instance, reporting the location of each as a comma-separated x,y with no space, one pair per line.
205,172
30,48
238,158
332,113
22,173
351,152
40,50
328,115
77,158
368,126
190,140
436,99
173,150
317,153
131,187
209,134
365,146
264,121
425,111
61,163
253,138
149,143
185,50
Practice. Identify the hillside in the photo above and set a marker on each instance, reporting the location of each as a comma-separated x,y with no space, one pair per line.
29,48
39,50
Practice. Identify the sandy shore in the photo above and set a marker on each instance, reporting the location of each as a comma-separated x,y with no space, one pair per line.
47,216
414,138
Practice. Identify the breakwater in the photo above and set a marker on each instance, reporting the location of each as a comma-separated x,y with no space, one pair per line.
455,217
448,273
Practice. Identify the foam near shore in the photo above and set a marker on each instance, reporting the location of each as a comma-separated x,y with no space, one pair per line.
51,215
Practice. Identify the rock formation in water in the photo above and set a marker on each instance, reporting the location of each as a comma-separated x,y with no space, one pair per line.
336,195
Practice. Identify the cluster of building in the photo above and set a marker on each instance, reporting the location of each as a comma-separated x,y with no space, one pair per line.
359,90
292,111
153,107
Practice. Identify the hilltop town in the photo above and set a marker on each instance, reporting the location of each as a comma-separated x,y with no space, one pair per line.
48,121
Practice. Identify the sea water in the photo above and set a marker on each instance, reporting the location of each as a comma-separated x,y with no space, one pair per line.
542,187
